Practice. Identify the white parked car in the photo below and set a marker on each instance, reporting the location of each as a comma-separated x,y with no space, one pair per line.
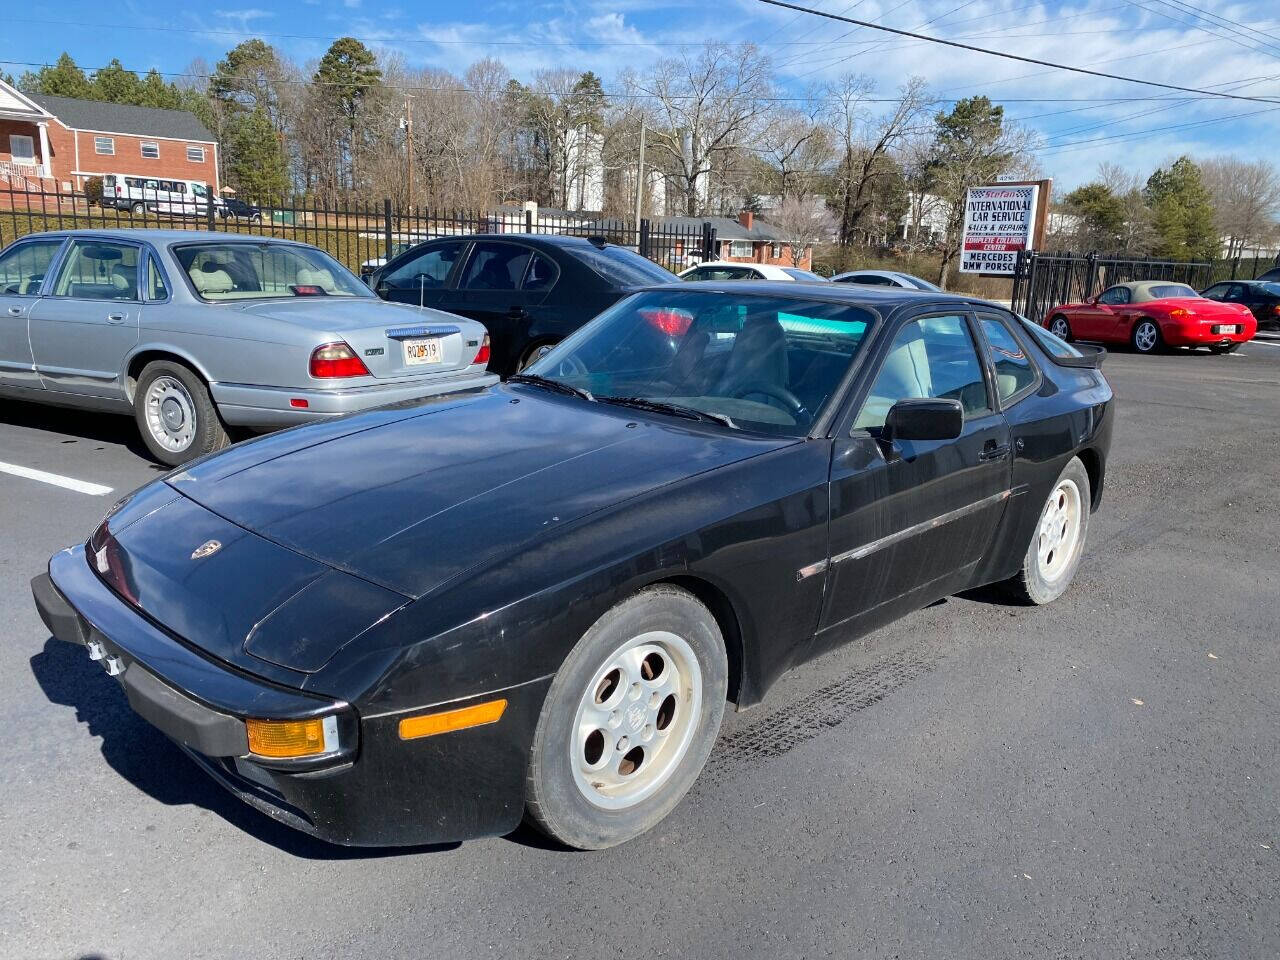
157,194
728,270
886,278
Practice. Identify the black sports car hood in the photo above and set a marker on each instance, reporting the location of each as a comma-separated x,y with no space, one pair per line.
411,498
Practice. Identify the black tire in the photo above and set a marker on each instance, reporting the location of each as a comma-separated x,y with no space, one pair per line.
555,803
207,433
534,352
1059,322
138,209
1030,585
1139,340
1221,348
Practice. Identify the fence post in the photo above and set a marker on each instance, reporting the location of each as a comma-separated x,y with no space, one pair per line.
528,221
1091,278
644,237
208,212
386,229
1019,266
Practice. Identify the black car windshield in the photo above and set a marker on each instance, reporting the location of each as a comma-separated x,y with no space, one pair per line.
767,364
250,271
624,267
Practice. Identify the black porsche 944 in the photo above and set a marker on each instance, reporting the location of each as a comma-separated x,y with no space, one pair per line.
426,622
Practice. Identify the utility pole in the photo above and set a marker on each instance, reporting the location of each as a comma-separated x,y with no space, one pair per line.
640,182
408,144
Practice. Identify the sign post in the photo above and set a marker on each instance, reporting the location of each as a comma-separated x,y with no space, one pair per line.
1000,221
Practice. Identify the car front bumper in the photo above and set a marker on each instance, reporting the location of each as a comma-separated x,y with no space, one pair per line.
379,791
246,405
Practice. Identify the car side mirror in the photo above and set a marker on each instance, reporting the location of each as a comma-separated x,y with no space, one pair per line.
1090,301
926,419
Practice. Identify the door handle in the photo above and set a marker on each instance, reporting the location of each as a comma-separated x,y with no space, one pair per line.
516,313
115,318
15,311
994,451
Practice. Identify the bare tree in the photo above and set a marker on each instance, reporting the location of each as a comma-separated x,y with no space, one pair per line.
797,150
1246,200
803,221
915,156
867,143
704,105
1137,232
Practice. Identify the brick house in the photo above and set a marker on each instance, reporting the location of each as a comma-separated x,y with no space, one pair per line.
746,239
56,143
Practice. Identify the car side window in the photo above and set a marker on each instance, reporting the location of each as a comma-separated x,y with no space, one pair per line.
24,265
933,357
541,274
495,266
873,280
99,270
1114,296
1014,370
1237,293
156,288
430,269
1217,292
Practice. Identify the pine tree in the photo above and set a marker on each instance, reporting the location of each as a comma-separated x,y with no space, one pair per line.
63,79
1182,211
255,162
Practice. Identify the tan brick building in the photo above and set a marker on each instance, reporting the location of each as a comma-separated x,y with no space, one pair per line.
56,143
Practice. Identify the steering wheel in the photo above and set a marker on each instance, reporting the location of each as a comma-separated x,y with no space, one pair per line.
790,402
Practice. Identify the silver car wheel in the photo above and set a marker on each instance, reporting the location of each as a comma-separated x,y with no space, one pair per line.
635,720
1059,328
171,414
1058,536
1146,336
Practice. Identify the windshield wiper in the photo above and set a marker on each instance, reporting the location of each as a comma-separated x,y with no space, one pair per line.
675,409
534,380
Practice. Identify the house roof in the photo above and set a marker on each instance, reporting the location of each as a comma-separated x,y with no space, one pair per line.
727,228
124,118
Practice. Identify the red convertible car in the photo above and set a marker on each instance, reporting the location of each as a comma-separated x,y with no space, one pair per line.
1151,314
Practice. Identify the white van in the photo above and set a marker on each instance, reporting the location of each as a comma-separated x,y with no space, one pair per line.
156,194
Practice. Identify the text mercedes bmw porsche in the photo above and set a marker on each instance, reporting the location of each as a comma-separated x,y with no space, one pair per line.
426,622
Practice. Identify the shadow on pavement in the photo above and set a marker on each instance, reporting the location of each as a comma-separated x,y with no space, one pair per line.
88,426
152,763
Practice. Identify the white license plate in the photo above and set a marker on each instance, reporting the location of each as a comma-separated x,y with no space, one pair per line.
422,350
1226,328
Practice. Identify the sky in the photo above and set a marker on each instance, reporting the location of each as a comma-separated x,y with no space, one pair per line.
1082,120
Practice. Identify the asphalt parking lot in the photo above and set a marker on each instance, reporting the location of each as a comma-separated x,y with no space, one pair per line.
1097,778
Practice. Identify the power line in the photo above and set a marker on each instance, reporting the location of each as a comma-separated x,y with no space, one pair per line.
1013,56
458,88
1274,52
1086,144
1217,16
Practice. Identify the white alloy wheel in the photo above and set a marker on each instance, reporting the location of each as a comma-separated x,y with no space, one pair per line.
1058,536
1060,328
171,414
635,720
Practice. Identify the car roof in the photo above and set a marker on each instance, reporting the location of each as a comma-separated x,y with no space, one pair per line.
1141,289
160,237
880,298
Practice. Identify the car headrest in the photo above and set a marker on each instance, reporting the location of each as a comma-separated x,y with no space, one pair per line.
211,281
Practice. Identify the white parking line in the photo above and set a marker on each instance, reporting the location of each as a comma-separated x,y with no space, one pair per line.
67,483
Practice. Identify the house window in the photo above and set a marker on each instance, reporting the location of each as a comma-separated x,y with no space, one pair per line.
195,154
22,148
777,251
105,146
150,150
741,248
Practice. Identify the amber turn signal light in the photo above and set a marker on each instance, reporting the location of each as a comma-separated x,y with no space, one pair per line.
429,724
285,738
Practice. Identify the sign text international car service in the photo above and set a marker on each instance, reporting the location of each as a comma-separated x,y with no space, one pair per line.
998,222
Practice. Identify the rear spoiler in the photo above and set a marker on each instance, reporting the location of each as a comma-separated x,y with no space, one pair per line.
1091,356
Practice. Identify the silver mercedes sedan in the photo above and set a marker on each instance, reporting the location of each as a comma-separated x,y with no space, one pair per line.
196,332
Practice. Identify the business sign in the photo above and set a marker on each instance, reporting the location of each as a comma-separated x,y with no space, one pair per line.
998,222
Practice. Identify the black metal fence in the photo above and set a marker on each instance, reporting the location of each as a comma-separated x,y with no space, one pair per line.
358,234
1044,280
